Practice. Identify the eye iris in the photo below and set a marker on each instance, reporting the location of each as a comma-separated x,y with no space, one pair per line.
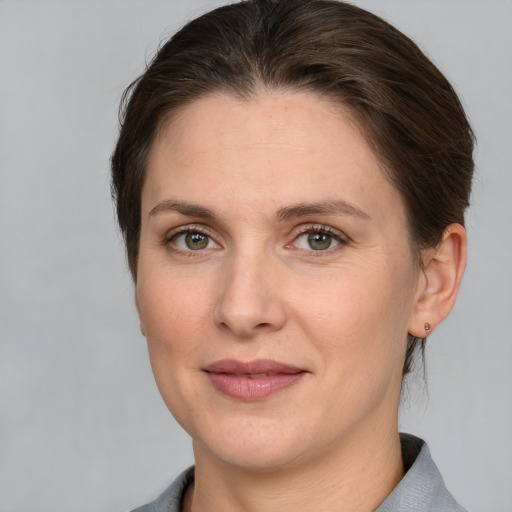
196,241
319,241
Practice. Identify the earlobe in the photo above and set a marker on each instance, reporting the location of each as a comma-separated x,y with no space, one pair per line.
442,272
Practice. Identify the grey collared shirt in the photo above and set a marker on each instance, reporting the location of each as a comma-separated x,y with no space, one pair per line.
421,489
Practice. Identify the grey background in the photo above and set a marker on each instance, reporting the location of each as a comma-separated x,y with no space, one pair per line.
82,426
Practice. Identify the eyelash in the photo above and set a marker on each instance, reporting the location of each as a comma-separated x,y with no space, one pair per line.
342,240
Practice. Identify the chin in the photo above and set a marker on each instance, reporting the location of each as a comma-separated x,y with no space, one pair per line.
254,445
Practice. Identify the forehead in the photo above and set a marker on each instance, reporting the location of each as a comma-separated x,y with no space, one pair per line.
297,121
274,148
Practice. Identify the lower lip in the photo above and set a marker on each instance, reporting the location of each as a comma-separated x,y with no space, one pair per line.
246,388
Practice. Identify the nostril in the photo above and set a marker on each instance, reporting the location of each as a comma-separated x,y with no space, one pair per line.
262,325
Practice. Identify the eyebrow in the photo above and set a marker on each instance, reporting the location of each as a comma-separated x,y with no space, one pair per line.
335,207
188,209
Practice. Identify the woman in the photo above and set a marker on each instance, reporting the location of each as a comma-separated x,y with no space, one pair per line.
291,178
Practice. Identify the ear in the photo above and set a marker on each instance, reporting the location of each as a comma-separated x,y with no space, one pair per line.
141,325
441,275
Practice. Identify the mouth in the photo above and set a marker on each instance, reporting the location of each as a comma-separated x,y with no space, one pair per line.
253,380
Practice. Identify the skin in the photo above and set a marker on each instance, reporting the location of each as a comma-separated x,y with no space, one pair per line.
254,288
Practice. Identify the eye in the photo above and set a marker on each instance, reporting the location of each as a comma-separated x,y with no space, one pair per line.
192,241
318,239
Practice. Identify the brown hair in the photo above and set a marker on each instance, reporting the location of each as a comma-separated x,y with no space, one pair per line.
407,109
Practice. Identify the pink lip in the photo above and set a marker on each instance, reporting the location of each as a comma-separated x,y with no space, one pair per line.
245,380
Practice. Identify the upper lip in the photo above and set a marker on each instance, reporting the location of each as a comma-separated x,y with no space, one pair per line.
257,366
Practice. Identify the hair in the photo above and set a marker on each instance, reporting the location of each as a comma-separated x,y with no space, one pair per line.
406,108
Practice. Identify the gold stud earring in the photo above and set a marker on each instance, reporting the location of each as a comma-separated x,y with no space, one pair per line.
428,329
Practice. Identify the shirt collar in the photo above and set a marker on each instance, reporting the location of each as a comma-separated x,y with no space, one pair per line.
422,488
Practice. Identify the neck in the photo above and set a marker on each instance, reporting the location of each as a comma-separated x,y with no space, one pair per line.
356,477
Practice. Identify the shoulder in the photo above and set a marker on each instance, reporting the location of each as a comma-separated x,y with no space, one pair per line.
170,499
422,488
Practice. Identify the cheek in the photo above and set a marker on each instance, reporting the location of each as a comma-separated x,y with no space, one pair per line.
170,306
175,314
359,318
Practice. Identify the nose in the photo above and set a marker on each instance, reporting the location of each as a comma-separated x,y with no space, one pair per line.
250,299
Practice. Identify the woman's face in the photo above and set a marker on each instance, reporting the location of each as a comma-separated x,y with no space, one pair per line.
276,281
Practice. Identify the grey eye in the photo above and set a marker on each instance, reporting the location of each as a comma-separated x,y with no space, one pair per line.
192,241
316,241
196,241
319,241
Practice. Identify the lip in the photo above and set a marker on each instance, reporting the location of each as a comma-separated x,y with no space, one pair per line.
252,380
